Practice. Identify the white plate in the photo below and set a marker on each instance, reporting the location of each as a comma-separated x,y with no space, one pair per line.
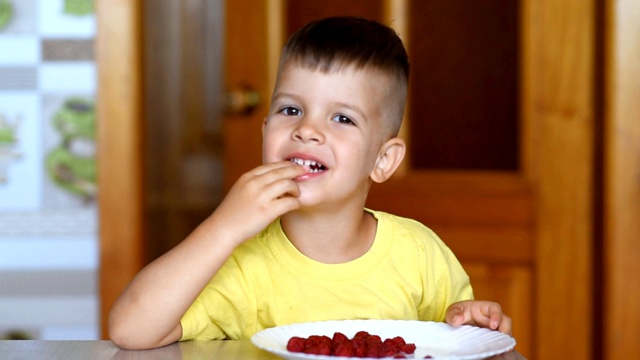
439,340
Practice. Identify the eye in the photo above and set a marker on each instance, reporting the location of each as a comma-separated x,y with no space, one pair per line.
290,111
342,119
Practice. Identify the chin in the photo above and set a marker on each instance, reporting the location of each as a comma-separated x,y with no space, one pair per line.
308,202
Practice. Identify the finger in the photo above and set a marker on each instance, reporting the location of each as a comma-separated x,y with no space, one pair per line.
505,326
257,181
486,314
285,204
494,316
288,172
456,315
266,168
282,188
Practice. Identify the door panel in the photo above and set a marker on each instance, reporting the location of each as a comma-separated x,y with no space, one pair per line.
464,78
511,286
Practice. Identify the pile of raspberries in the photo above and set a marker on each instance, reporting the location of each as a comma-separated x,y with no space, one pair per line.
362,345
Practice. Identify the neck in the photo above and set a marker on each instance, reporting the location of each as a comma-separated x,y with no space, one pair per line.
332,236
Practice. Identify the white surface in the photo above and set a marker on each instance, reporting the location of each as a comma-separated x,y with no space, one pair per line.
19,50
29,312
55,23
86,332
68,253
431,338
68,76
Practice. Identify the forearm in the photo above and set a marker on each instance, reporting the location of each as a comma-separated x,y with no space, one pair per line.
148,312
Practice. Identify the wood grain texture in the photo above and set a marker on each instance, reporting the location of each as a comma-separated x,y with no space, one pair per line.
246,60
558,48
120,156
512,287
622,180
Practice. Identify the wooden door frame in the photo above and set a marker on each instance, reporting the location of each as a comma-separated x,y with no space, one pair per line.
120,147
558,55
621,229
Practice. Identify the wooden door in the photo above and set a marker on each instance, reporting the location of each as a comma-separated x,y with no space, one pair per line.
515,217
523,229
487,217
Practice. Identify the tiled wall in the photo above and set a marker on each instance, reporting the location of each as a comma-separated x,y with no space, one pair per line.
48,222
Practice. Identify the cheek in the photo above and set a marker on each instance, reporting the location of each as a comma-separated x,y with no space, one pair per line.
371,157
269,147
365,160
266,153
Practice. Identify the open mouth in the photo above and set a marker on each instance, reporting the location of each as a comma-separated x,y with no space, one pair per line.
312,165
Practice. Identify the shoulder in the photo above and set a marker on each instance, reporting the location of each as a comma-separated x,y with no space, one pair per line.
405,227
411,234
257,247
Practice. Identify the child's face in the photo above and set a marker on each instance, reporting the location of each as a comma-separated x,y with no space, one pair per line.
334,123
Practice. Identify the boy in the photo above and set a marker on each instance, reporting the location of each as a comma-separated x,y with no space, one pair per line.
292,241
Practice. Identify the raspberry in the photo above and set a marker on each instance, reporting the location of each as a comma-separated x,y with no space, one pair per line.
344,349
373,340
296,344
398,340
374,352
363,344
359,351
409,348
340,338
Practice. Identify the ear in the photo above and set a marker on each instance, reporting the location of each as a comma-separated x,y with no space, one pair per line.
389,158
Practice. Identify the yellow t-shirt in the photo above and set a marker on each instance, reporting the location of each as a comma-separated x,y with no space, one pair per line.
407,274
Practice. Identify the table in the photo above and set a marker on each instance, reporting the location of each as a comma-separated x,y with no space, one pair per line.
188,350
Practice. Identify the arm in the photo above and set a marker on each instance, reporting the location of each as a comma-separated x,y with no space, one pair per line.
148,312
486,314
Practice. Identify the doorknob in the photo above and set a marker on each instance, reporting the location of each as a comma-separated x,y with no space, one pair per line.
241,102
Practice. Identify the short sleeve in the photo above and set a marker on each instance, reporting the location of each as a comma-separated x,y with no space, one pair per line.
223,308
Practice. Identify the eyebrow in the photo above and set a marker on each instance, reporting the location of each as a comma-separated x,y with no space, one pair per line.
353,108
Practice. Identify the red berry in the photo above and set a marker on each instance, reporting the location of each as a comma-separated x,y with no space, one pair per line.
409,348
296,344
373,340
360,351
363,344
344,349
340,338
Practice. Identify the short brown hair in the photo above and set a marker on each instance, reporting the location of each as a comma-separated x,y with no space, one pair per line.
325,43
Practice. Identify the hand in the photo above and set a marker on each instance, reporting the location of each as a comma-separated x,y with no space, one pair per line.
487,314
257,198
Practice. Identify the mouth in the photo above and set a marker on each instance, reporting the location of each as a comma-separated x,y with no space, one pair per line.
312,165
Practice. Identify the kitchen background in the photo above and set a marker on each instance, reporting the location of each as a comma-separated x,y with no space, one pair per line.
49,248
48,222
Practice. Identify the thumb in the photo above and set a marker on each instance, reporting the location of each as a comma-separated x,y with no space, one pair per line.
455,315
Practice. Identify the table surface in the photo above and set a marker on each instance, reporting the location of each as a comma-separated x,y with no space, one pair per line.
188,350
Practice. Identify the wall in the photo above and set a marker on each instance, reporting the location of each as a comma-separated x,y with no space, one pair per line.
48,220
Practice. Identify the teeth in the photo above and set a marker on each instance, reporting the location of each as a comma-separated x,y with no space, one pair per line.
313,166
303,162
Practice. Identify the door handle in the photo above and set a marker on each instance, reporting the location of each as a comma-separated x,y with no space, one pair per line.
242,101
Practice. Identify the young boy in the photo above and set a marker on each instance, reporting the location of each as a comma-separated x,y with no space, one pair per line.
292,241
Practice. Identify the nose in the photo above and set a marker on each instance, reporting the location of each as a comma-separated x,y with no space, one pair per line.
308,129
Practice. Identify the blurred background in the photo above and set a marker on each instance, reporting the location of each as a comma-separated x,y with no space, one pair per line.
524,149
49,248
